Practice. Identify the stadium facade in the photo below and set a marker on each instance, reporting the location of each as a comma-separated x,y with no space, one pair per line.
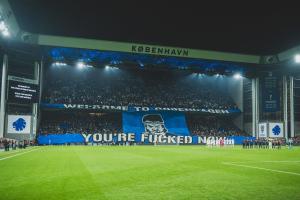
264,89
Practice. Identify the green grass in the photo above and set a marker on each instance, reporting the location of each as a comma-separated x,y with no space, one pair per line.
149,172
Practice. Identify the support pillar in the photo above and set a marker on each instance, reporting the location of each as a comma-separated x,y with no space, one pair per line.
35,106
292,109
255,106
285,107
3,96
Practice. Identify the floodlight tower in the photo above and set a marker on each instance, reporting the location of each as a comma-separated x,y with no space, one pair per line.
11,33
297,58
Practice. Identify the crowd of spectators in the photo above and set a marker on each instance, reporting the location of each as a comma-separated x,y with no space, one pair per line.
213,126
158,89
80,123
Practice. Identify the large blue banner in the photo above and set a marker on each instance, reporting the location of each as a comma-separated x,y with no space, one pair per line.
77,138
270,92
60,138
138,108
166,123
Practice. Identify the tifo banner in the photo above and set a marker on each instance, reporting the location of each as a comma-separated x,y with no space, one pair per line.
276,129
270,91
262,130
77,138
19,124
136,108
155,123
60,139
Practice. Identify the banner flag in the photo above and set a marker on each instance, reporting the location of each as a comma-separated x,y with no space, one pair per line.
270,93
262,130
138,108
155,123
276,130
19,124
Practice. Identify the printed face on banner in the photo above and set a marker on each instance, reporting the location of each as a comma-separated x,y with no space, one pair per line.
154,124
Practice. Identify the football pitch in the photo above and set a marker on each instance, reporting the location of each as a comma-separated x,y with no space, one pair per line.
149,172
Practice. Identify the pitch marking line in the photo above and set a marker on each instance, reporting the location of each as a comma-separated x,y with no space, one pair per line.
261,168
271,161
19,154
284,161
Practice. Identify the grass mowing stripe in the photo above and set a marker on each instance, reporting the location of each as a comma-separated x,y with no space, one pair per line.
18,154
261,168
147,173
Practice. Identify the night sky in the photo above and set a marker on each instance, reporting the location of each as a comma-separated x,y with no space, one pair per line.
229,28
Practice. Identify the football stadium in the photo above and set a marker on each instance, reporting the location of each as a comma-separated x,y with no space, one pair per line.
85,118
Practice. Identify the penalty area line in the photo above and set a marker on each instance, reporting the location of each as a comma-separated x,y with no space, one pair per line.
19,154
262,168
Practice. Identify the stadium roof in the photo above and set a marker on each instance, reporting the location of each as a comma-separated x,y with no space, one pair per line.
17,33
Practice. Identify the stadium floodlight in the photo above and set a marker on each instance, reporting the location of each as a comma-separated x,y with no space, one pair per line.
6,33
80,65
107,67
59,64
4,29
141,65
2,26
297,58
237,76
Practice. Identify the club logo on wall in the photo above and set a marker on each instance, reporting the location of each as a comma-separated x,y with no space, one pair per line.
19,124
276,130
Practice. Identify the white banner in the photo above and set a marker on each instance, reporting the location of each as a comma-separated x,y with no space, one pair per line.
262,130
276,129
19,124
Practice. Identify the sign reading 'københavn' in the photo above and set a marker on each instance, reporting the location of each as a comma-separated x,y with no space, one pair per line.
163,51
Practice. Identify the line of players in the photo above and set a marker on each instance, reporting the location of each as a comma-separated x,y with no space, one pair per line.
10,144
262,144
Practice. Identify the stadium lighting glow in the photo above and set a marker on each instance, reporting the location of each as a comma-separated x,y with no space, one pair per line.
59,64
107,67
4,29
237,76
297,58
6,33
2,25
82,65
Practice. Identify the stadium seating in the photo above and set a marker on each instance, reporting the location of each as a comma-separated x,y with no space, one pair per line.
213,126
76,122
80,123
156,89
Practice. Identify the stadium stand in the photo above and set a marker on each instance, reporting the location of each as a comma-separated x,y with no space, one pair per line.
213,126
80,123
133,88
160,89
